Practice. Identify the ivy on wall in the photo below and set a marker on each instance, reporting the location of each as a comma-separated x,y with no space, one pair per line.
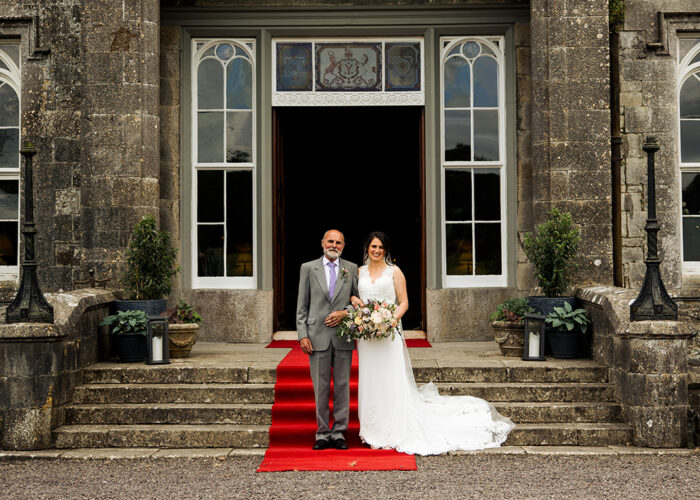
616,14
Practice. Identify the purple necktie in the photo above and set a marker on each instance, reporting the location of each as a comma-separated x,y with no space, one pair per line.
332,280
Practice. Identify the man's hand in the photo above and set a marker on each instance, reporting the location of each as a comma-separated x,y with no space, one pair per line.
334,318
306,346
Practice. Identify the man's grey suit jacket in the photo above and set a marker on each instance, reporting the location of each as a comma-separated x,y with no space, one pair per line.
314,304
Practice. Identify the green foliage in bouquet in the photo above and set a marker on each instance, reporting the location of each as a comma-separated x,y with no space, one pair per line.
514,309
552,251
150,261
127,322
372,320
567,318
183,313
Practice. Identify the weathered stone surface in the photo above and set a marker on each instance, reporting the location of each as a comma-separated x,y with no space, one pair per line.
25,429
658,426
643,389
180,393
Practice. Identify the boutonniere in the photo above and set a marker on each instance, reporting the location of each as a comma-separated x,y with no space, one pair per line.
344,272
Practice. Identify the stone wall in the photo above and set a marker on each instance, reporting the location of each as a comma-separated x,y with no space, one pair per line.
41,364
648,102
648,363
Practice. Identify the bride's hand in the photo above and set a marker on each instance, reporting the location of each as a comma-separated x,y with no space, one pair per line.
356,302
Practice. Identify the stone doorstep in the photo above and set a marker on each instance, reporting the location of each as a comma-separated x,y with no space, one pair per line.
222,453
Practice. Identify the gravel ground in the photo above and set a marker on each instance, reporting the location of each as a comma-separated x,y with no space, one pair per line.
472,476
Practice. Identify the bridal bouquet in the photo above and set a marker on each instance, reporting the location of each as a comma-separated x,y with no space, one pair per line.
371,320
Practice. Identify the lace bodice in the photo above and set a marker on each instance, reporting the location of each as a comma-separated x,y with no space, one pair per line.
382,289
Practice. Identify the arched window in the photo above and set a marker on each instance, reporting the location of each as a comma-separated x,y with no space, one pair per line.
9,159
472,156
223,146
689,114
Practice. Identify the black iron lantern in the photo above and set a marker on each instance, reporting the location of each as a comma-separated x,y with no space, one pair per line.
533,348
157,341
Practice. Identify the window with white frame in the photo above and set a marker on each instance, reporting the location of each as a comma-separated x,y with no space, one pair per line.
689,113
473,162
223,160
9,159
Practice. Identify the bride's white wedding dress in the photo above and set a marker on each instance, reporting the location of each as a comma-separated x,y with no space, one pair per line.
394,413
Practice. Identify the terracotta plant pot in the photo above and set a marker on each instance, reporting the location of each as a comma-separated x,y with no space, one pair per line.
510,337
182,337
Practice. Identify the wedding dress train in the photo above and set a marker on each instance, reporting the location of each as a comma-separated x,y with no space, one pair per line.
394,413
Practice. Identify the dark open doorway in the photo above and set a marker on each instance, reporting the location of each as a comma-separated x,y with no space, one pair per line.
356,169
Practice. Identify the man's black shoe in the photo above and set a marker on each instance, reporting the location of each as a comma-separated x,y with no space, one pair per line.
321,444
340,444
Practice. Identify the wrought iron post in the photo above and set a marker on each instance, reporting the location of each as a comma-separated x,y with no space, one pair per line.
29,305
653,301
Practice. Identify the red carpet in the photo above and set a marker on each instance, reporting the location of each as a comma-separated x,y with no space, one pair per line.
294,424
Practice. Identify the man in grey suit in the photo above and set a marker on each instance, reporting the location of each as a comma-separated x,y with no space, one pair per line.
325,288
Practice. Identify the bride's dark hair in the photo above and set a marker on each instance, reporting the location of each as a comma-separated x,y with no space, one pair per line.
385,243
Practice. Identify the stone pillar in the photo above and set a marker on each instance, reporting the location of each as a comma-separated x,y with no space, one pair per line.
571,124
120,126
652,378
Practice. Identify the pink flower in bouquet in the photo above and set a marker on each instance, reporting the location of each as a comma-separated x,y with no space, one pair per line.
376,307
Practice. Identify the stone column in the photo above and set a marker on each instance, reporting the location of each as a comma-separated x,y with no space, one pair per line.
652,374
120,126
571,124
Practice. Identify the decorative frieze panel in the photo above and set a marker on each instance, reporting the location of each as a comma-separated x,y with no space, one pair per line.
359,72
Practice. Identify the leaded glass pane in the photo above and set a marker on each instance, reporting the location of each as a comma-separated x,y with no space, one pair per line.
239,223
210,196
239,84
9,106
456,83
9,148
210,85
695,59
690,97
210,250
485,82
294,66
487,239
402,66
486,135
691,193
9,199
224,51
471,49
208,52
487,194
8,243
454,50
348,67
690,141
457,136
458,195
691,239
685,45
3,65
210,137
459,255
241,53
239,137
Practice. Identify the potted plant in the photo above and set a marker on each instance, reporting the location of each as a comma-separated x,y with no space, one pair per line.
150,265
508,325
567,332
183,325
552,251
128,334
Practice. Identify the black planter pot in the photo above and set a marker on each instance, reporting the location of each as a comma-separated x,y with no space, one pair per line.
546,305
566,345
154,307
130,348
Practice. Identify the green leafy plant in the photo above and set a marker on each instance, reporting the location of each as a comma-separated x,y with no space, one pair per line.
616,13
514,309
552,251
127,322
183,313
566,318
150,261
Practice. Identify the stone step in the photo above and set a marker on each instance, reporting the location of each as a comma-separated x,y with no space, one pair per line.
264,393
260,414
585,371
256,436
174,393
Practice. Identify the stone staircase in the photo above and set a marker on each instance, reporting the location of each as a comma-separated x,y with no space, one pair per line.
188,406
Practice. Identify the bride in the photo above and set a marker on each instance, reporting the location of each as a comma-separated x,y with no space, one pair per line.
393,412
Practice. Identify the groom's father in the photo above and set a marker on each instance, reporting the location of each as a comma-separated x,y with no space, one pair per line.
325,287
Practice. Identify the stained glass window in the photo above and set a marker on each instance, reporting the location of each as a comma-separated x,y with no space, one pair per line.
224,164
472,161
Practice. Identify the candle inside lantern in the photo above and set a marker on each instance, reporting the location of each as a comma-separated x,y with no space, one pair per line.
157,348
533,344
